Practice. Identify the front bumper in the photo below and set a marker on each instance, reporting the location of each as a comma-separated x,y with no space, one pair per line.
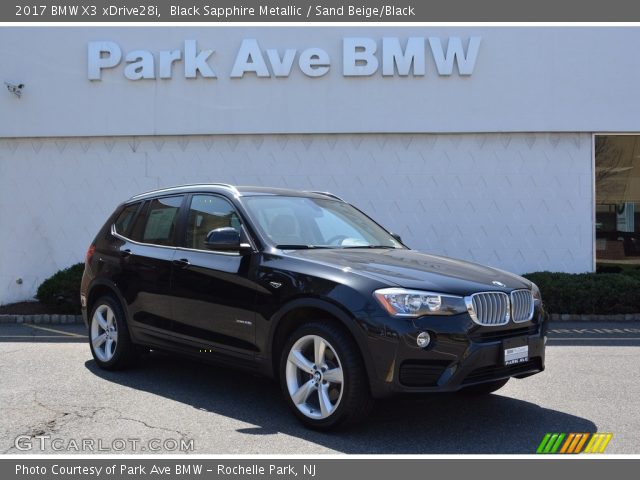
83,307
85,317
461,353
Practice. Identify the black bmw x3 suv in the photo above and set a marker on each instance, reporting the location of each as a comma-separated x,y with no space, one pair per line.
305,288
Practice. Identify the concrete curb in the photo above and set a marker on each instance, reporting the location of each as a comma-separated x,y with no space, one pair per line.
41,319
570,317
555,317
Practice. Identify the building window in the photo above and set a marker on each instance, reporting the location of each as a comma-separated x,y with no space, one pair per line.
617,162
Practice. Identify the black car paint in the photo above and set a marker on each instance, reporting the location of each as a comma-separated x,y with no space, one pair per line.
226,307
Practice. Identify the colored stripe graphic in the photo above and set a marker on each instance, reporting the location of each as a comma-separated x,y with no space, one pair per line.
581,443
573,443
543,443
598,443
556,445
590,444
577,438
551,443
567,443
606,442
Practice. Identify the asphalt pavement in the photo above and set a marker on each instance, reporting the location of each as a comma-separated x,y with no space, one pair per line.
55,400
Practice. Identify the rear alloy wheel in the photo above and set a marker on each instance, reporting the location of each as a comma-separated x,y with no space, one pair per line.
109,339
323,377
104,332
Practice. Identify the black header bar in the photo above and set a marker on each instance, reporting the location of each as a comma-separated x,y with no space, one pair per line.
185,467
311,11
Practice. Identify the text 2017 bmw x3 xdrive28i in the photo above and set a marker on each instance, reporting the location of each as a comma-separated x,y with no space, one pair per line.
306,288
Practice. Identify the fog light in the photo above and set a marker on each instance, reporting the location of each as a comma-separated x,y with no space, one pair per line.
423,339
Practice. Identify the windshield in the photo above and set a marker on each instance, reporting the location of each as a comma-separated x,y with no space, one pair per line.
302,222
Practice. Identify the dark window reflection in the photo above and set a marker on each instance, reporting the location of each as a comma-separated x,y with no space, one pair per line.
617,162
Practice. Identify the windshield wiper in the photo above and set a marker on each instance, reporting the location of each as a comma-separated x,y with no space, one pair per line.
370,246
302,247
312,247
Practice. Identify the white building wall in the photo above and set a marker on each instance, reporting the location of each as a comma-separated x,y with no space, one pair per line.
521,202
544,79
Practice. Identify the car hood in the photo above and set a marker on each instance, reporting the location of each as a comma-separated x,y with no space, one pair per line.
413,269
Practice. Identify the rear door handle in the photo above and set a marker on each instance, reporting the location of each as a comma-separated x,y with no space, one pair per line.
125,253
182,263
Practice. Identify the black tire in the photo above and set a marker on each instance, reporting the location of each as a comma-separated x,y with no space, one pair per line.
125,353
355,402
484,388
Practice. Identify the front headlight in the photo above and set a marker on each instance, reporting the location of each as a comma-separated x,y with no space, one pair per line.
400,302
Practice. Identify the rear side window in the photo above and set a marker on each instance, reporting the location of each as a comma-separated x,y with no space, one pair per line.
160,222
124,222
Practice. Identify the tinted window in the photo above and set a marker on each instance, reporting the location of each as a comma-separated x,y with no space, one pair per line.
138,223
206,213
161,220
125,219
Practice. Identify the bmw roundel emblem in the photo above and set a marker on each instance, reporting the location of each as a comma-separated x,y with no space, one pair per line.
498,284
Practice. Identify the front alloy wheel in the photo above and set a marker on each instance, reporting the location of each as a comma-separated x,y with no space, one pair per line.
323,377
314,377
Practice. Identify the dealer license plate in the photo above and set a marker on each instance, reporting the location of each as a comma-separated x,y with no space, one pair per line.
516,351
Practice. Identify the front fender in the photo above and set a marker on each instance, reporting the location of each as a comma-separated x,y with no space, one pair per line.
336,311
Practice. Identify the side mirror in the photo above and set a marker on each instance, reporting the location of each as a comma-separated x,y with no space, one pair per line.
225,239
396,236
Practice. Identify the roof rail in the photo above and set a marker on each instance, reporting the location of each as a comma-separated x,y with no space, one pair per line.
168,189
327,194
225,185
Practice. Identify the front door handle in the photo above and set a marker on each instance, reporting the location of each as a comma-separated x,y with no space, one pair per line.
125,253
182,263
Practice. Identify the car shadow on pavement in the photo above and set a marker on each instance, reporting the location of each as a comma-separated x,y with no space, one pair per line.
400,425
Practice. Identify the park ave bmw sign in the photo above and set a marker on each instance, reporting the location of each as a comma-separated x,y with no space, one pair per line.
361,56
